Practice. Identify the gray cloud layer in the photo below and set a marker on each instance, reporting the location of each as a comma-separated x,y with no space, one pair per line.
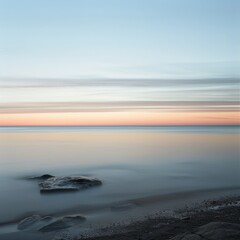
104,95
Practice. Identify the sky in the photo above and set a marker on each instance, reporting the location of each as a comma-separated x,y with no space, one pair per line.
119,62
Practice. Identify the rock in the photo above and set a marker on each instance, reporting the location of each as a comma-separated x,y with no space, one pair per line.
42,177
47,219
213,231
34,221
57,225
45,176
65,222
57,184
74,219
28,222
48,223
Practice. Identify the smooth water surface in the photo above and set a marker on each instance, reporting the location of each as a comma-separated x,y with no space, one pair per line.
133,163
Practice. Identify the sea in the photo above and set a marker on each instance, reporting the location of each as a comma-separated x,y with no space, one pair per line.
143,170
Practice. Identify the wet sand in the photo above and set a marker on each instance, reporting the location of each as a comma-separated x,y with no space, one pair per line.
162,227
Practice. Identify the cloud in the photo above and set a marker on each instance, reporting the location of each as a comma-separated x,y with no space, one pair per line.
136,82
173,106
115,95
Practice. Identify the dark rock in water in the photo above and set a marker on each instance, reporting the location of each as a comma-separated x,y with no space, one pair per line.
43,177
34,221
28,222
74,219
58,184
46,219
48,223
65,222
57,225
213,231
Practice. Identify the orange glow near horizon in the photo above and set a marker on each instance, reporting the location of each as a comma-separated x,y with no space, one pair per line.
120,118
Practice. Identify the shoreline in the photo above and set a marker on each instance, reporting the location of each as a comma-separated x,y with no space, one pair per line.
179,223
192,197
222,212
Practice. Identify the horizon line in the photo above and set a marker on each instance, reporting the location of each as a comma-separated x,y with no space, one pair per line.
163,125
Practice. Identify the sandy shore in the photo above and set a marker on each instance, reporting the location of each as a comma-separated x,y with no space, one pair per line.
183,221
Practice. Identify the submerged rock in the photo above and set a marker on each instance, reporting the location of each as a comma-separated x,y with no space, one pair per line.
58,184
45,176
74,219
57,225
34,221
48,223
28,222
42,177
213,231
65,222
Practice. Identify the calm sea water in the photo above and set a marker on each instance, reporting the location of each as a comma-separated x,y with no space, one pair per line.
133,163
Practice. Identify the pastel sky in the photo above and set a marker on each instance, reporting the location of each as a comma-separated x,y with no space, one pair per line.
119,62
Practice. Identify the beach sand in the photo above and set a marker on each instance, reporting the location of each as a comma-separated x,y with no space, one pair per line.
161,226
184,222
